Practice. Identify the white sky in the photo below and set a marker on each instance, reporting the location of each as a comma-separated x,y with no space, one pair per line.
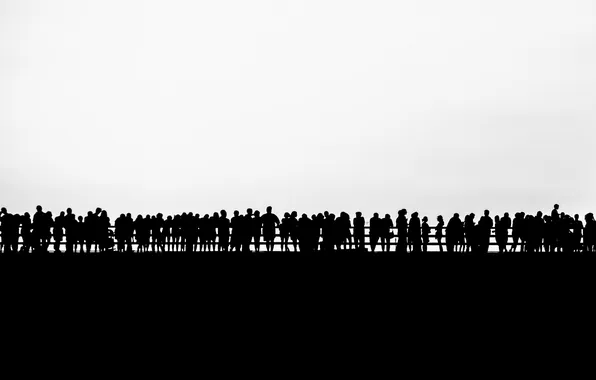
170,106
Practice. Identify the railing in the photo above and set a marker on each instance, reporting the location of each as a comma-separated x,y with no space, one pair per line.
433,244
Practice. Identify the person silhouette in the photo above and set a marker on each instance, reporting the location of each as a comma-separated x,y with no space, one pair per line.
517,230
402,231
386,233
2,213
294,229
284,232
223,231
246,231
414,233
236,225
469,231
589,233
68,223
453,231
485,224
119,232
256,227
167,232
359,231
58,231
270,222
439,232
500,234
577,227
26,233
425,234
39,227
375,231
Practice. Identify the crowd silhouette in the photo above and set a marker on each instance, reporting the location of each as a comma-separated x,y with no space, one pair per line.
325,232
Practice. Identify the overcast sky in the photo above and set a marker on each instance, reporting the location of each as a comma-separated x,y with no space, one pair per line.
149,106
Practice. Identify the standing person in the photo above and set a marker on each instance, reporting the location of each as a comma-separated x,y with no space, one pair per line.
26,233
256,227
47,231
294,229
517,232
387,226
506,225
439,232
284,232
486,224
58,232
469,229
167,232
402,231
359,231
453,233
414,233
589,233
501,234
346,230
235,224
120,233
425,234
38,222
270,222
375,231
223,231
577,227
247,229
79,235
68,222
303,233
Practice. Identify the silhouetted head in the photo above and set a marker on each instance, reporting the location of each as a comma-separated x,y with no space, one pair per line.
286,215
539,214
38,208
440,218
80,218
69,211
223,213
122,216
104,214
26,215
472,216
486,213
326,213
98,210
129,215
506,215
257,213
248,211
358,214
269,209
304,216
3,210
215,215
376,215
236,212
294,214
62,213
415,214
425,219
576,217
497,218
387,216
556,207
456,215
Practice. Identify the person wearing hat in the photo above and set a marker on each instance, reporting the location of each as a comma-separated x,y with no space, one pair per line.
425,234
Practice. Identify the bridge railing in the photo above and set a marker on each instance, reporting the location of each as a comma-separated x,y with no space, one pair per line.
433,243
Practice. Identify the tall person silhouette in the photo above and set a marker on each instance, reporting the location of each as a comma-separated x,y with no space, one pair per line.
270,222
